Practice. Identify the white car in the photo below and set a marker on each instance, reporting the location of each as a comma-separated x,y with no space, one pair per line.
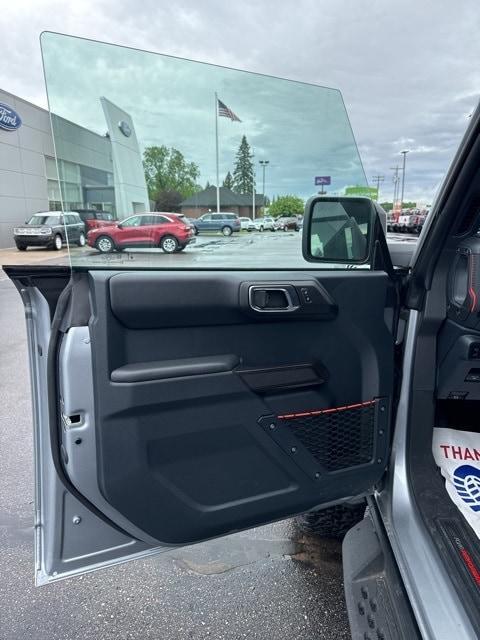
247,224
265,224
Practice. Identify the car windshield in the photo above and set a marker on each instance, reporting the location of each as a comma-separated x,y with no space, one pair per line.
45,218
163,140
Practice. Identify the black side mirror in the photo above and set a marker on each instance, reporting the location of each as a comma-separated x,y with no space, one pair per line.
339,229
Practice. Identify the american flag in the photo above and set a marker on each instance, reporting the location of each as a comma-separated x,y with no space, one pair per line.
225,112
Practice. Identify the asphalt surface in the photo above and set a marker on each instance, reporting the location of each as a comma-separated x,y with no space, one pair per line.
270,582
279,250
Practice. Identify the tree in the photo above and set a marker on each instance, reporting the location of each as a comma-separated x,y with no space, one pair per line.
287,206
228,182
168,174
243,179
168,200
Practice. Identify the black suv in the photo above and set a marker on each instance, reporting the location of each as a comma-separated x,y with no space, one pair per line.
51,230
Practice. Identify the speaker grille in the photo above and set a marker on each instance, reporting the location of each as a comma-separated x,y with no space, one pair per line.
337,438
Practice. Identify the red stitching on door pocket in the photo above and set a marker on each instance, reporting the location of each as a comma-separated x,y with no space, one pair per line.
319,412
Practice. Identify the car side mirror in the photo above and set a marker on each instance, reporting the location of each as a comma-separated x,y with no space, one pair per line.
339,229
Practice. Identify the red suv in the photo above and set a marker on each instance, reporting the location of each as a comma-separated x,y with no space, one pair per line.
167,231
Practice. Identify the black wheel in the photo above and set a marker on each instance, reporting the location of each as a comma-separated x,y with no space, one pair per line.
332,522
261,228
57,242
195,231
169,244
180,248
22,247
227,231
81,239
105,244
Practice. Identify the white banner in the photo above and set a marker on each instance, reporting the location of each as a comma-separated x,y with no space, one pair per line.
457,453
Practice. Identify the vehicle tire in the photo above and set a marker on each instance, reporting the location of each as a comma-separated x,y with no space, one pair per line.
105,244
81,240
180,248
57,242
195,231
227,231
285,228
169,244
332,522
261,228
22,247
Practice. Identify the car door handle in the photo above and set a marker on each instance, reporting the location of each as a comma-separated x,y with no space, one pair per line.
273,299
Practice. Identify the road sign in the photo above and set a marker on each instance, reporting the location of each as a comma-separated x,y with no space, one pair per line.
322,180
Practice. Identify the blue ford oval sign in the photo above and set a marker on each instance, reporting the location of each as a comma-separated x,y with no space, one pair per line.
9,118
125,128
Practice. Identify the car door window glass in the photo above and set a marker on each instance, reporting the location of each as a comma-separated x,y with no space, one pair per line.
149,220
135,221
173,129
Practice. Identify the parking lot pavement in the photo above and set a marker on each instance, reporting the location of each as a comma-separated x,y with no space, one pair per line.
241,250
269,582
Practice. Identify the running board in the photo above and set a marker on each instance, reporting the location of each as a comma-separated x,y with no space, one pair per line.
462,553
377,605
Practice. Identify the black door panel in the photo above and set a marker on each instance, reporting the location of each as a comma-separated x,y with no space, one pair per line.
210,418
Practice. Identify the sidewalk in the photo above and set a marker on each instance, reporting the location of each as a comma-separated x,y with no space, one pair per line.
33,255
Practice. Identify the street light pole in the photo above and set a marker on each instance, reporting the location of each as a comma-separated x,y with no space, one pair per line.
395,184
378,179
263,164
404,153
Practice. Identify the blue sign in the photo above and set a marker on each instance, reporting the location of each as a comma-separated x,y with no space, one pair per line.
125,128
9,119
321,180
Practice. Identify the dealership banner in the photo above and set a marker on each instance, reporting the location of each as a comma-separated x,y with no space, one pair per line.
457,453
368,192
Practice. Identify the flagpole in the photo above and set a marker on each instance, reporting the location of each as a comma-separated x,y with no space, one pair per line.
216,149
253,187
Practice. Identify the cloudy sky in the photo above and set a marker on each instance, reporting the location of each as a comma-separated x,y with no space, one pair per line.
408,71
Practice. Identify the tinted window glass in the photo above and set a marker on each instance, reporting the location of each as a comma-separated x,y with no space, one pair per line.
135,221
45,219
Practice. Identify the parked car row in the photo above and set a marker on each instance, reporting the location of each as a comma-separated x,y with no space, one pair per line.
228,222
410,221
171,232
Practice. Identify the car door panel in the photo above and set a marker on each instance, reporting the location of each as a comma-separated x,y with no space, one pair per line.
200,452
178,413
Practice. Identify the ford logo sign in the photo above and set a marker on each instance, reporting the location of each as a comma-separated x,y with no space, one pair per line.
9,119
125,128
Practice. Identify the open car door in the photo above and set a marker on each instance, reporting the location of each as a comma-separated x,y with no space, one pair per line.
182,397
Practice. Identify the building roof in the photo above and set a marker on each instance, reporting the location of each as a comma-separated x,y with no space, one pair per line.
228,198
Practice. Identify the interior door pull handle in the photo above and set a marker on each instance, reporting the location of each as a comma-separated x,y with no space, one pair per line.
272,299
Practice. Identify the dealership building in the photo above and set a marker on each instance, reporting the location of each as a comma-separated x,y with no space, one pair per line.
94,171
